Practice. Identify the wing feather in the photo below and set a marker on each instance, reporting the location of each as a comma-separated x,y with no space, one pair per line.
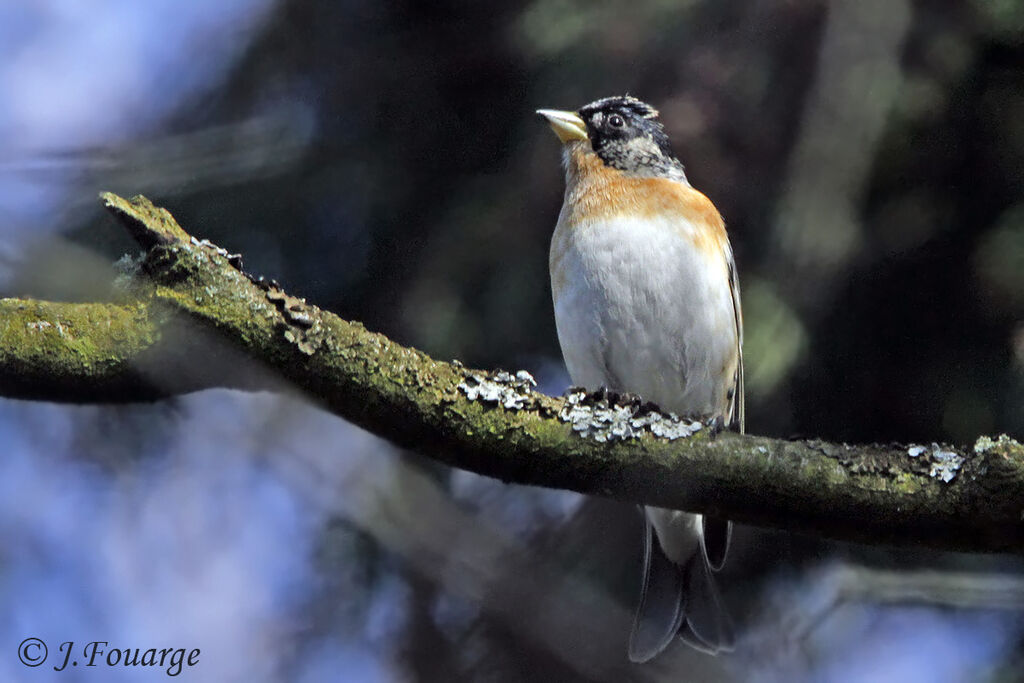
738,409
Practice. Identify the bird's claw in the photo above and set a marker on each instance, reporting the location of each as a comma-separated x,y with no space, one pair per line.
715,425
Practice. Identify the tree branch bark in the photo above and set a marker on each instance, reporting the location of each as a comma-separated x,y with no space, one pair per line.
189,318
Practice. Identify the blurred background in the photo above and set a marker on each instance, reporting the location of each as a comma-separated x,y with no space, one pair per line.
382,159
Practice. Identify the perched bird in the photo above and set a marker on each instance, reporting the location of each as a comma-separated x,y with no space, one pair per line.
647,301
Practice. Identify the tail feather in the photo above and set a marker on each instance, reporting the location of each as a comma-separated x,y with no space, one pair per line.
715,536
662,602
706,617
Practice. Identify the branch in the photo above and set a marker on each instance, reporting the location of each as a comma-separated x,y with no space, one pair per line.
190,318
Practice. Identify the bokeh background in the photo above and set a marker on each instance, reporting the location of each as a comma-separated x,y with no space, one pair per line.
382,159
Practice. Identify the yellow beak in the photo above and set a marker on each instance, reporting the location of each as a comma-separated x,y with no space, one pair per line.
567,125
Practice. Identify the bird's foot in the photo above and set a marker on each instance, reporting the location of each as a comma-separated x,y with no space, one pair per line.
715,425
611,397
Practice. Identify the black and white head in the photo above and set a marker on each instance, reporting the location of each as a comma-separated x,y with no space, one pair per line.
624,132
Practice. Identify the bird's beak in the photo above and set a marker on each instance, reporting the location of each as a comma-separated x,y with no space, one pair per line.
567,125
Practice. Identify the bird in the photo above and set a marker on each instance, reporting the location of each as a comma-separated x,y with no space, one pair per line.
647,301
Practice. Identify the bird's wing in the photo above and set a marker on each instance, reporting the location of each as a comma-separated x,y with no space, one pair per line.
716,532
737,409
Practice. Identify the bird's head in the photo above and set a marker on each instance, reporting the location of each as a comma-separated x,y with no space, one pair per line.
623,131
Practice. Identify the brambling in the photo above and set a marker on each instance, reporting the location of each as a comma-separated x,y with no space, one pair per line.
647,301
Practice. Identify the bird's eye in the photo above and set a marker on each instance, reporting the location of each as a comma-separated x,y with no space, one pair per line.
615,121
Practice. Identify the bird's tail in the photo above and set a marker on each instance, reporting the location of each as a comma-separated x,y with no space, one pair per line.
682,599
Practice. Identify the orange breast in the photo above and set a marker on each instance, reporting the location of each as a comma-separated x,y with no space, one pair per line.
596,192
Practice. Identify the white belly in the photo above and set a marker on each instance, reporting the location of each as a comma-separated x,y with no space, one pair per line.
639,308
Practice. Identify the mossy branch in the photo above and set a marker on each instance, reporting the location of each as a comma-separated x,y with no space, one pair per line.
192,319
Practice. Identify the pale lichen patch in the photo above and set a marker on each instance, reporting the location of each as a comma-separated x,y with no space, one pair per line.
604,416
944,461
234,259
305,329
986,443
512,392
